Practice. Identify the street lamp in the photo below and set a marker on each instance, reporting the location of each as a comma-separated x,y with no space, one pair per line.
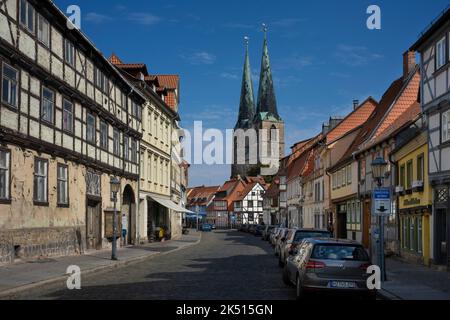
379,166
379,170
115,186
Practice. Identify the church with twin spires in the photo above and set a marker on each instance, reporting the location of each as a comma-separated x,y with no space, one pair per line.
263,118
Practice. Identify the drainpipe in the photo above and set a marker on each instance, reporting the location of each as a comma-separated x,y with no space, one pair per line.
397,202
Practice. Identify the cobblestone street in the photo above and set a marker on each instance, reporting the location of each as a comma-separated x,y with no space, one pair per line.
225,265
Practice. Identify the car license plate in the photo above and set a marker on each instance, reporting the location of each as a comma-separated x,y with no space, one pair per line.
342,285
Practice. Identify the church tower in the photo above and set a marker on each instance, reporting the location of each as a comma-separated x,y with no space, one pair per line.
267,117
264,121
246,115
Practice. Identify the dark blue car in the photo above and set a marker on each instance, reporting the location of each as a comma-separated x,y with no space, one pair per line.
206,227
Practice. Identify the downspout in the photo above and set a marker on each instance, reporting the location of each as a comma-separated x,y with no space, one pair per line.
397,202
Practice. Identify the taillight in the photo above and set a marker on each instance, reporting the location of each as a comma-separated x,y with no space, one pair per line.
315,265
364,266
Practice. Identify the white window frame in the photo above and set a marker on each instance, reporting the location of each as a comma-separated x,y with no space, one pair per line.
63,184
116,142
5,171
441,53
43,34
91,131
68,125
28,9
12,83
46,104
41,180
69,53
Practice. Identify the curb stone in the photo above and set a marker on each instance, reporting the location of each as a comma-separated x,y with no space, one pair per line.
9,294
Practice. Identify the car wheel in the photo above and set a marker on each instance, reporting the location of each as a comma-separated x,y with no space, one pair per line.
299,293
280,262
286,279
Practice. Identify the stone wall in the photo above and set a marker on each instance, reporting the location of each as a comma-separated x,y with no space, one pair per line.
28,244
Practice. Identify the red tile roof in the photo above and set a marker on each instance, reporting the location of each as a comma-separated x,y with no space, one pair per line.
353,120
408,97
295,169
201,195
170,81
374,120
242,194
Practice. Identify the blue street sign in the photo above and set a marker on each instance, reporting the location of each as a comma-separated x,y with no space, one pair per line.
382,194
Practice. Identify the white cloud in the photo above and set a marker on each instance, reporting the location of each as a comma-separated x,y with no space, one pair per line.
200,57
287,22
355,56
144,18
229,76
97,17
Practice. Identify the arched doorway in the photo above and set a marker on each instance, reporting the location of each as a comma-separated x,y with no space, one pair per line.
128,213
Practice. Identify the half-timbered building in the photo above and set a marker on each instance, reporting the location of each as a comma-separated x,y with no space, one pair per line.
434,49
68,122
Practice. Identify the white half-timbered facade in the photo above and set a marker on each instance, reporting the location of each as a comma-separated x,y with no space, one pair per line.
434,49
249,204
68,121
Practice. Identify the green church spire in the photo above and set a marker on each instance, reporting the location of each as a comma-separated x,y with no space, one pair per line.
247,104
267,103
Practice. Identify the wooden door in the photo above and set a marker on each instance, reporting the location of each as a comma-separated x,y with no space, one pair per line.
93,225
441,236
366,224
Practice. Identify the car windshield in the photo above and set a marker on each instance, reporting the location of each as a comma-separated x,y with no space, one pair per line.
339,252
300,235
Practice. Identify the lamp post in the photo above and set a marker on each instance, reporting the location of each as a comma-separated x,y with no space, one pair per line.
115,186
378,172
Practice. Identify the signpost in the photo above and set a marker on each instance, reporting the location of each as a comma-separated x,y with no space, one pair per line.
382,207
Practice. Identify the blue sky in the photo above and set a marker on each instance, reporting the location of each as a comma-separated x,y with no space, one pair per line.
322,54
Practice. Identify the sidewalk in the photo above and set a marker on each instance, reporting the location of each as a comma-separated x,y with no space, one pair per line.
22,276
413,282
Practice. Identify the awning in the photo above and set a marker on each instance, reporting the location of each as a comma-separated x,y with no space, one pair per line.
170,204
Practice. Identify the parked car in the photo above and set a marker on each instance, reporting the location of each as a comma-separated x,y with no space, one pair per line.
242,227
213,226
206,227
281,238
259,229
252,228
293,239
266,233
274,236
328,265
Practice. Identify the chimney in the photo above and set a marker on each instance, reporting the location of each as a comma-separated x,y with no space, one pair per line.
409,63
355,104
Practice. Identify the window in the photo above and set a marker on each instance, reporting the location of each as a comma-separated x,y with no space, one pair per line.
103,135
9,85
69,52
409,174
362,165
419,235
90,128
43,31
41,181
420,168
101,82
123,99
63,185
67,116
126,150
27,15
349,175
133,150
48,105
402,176
135,110
441,57
116,142
250,204
4,174
446,126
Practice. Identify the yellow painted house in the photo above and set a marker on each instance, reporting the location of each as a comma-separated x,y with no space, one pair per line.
414,195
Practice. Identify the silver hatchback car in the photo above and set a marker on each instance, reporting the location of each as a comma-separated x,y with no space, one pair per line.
328,265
